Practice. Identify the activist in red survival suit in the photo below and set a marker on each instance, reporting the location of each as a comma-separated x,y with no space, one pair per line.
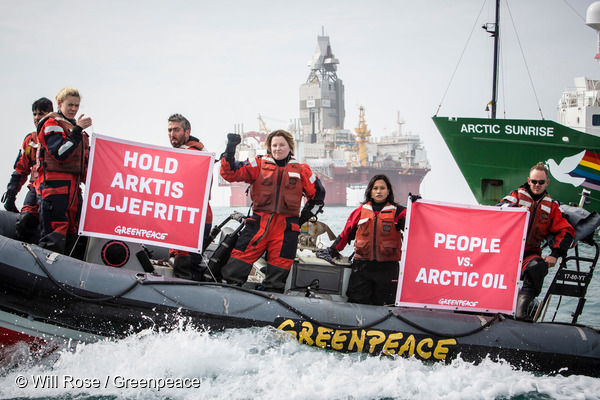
545,217
278,183
376,228
188,265
62,155
26,166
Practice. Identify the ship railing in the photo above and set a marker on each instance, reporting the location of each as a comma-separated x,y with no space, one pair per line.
579,98
398,140
322,170
388,164
358,185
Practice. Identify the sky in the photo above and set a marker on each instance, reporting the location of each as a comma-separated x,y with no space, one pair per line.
223,63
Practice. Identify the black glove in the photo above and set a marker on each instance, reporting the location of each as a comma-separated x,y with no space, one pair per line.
305,216
328,254
414,197
307,212
233,139
8,198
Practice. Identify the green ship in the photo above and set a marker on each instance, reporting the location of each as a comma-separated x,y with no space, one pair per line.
494,155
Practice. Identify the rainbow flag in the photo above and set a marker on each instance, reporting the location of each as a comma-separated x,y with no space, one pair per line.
589,169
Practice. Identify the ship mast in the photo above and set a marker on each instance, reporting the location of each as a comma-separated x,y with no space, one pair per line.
494,30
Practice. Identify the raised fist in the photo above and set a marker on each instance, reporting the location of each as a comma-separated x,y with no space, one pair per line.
233,139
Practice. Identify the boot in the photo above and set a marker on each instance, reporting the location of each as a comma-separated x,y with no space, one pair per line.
236,271
275,279
27,228
182,267
523,302
54,241
188,267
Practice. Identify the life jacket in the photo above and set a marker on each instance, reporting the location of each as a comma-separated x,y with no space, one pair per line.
75,164
31,147
539,216
376,235
193,144
277,189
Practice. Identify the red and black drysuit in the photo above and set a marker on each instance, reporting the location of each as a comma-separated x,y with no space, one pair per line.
62,156
277,187
188,265
25,167
545,217
376,231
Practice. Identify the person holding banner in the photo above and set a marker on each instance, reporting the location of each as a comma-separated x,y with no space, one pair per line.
375,226
186,264
26,166
545,218
278,183
62,157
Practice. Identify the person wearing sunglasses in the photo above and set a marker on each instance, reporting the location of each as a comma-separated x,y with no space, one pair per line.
545,217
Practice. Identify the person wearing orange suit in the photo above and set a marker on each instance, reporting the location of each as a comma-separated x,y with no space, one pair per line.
375,226
187,265
62,156
545,217
25,167
278,182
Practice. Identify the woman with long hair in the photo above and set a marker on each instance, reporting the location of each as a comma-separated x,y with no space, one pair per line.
375,226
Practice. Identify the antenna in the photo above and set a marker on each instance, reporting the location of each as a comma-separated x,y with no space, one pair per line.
592,19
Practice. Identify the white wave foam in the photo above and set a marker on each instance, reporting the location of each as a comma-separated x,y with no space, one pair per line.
267,364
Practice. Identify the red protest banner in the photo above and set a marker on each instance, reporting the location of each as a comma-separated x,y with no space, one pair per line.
462,257
146,194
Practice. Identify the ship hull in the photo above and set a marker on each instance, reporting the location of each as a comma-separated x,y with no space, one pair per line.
240,197
404,181
495,156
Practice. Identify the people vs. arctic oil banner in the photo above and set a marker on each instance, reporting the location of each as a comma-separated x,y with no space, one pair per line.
462,257
146,194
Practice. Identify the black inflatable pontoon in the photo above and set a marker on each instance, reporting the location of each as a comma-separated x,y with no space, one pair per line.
55,297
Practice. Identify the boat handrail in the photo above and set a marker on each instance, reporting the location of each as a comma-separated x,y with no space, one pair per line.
570,282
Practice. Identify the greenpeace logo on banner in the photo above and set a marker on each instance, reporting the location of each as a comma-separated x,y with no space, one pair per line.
461,303
121,230
461,257
147,194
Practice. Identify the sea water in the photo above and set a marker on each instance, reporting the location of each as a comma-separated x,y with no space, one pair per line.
264,363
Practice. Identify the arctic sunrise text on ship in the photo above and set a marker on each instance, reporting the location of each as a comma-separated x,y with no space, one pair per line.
494,154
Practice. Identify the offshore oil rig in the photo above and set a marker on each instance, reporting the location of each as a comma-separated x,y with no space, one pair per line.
342,158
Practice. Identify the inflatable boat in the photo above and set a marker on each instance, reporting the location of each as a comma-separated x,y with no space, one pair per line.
53,297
